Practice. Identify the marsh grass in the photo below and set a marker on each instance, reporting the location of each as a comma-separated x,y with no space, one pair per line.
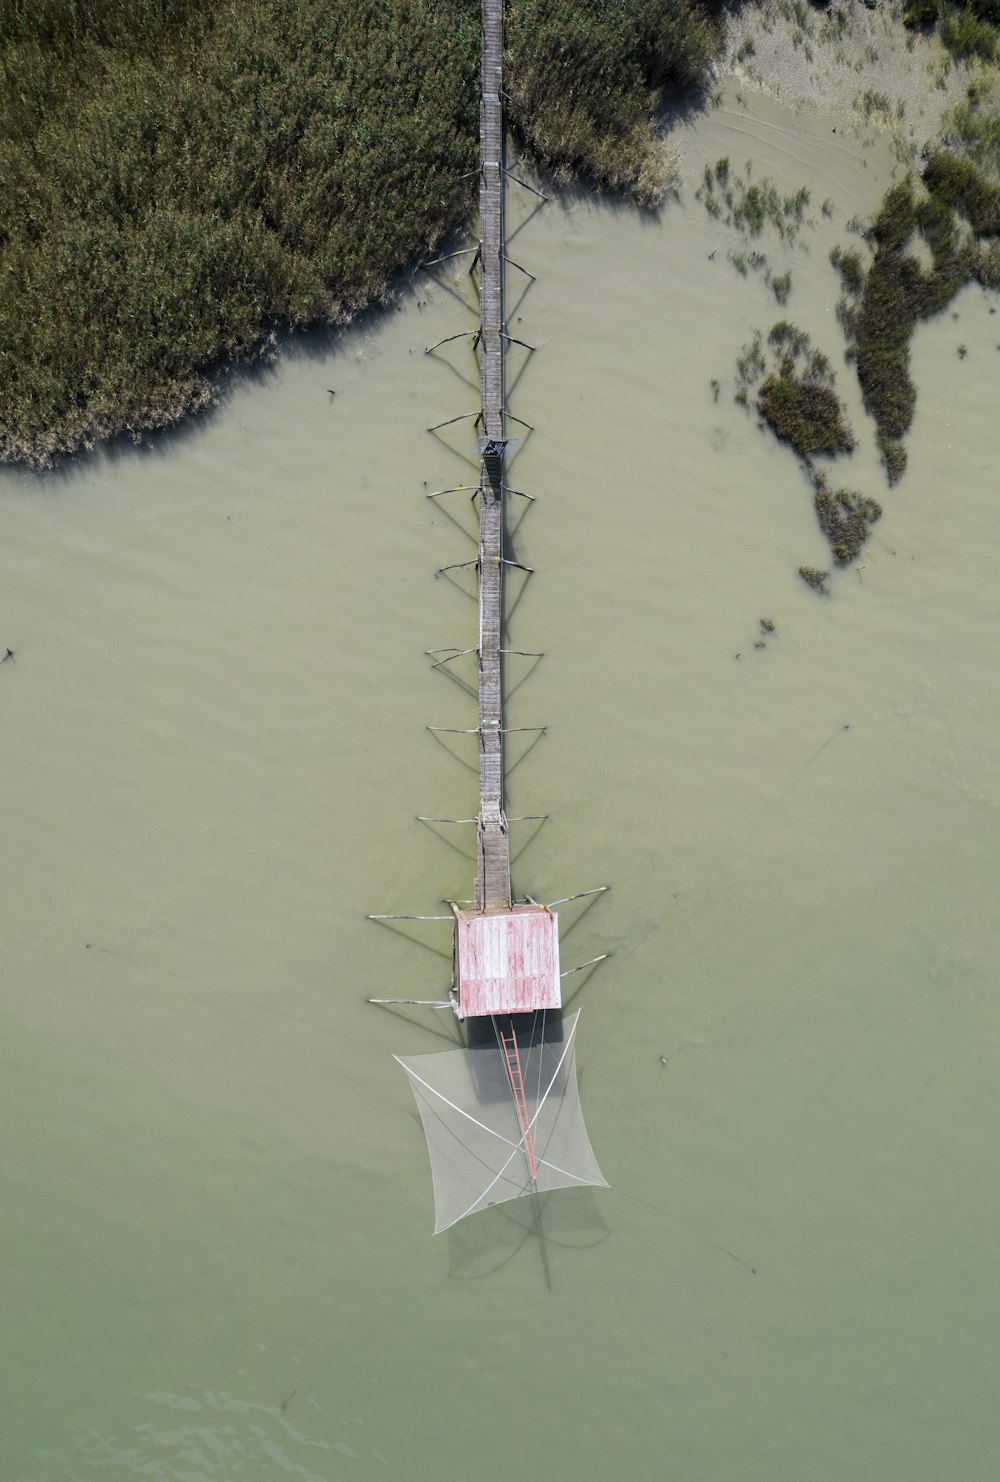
956,208
977,124
180,179
813,577
781,286
967,34
183,178
804,413
971,30
583,76
752,206
845,517
797,401
850,267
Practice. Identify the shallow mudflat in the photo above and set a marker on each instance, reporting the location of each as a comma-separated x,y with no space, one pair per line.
213,749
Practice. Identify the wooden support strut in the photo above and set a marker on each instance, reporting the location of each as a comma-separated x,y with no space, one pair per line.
462,251
463,334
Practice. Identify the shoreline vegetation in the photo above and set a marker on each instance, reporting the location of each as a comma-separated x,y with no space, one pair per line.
184,179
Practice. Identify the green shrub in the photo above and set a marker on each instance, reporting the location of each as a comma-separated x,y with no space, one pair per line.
987,266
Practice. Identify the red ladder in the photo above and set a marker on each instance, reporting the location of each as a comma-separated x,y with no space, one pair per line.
513,1059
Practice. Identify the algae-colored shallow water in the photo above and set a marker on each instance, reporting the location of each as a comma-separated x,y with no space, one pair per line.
213,749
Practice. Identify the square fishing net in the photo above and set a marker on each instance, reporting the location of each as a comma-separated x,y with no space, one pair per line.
504,1120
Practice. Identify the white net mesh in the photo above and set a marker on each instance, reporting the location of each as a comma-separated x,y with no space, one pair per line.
469,1109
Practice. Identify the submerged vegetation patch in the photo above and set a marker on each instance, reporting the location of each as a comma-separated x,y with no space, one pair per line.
736,201
805,413
956,213
813,577
935,231
751,205
797,400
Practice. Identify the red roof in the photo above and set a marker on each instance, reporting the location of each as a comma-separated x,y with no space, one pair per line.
508,961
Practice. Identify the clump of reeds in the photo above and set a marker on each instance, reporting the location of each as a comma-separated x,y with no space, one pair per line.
977,125
845,518
813,577
956,206
582,76
181,179
751,206
806,414
969,30
798,401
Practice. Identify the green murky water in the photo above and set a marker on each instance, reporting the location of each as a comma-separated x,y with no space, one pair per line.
213,748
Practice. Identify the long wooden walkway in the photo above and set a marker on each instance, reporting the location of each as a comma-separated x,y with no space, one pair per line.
493,870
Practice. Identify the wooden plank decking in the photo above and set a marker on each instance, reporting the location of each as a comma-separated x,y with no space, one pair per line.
493,869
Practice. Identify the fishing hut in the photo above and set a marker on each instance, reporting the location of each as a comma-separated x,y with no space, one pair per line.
507,962
501,1116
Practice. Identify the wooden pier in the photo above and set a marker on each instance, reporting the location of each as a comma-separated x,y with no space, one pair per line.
506,979
493,868
506,953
